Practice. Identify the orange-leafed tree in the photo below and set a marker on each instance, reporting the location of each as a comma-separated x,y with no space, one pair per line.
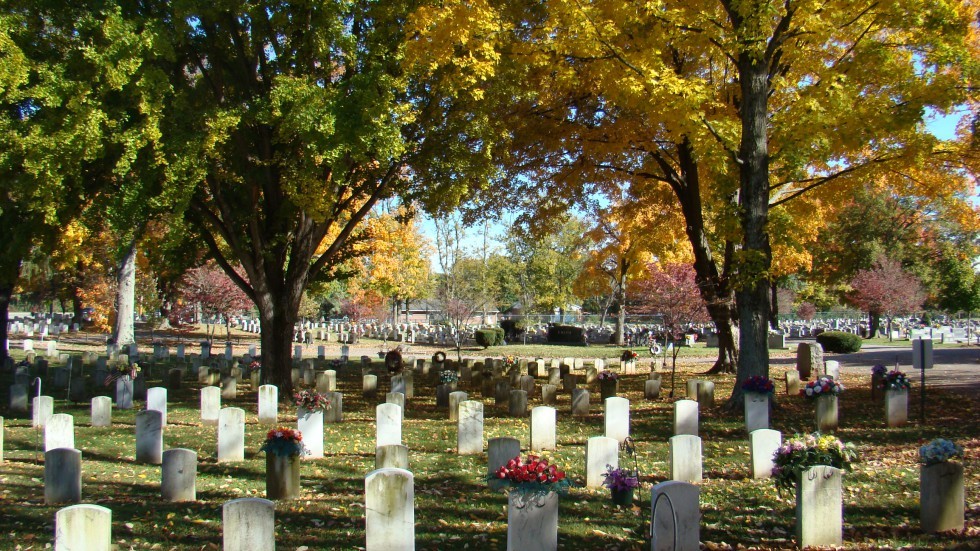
397,266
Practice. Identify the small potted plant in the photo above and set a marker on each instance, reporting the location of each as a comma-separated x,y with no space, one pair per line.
941,486
798,463
283,447
621,483
533,486
825,391
608,383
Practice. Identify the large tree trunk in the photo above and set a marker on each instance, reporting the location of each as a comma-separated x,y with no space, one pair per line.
722,315
278,318
712,283
774,309
752,297
874,320
123,332
621,314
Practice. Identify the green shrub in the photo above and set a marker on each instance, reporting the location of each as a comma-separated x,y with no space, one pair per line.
839,342
491,336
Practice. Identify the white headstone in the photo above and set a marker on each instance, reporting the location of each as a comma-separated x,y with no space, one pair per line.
896,407
600,452
756,411
310,425
18,398
685,458
942,497
456,398
532,522
101,411
269,405
389,505
499,451
686,417
231,435
394,456
832,369
763,444
389,424
616,416
210,405
819,507
469,428
43,409
827,419
62,476
543,428
248,524
156,399
83,526
59,432
149,437
675,523
336,412
178,475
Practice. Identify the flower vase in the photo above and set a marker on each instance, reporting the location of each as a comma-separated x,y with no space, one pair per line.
281,476
623,497
532,521
608,388
826,412
896,407
941,497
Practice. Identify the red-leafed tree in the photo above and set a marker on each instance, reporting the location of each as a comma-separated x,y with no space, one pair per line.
885,290
671,291
806,311
217,295
362,304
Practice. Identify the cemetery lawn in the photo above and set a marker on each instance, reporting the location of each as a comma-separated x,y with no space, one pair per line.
454,509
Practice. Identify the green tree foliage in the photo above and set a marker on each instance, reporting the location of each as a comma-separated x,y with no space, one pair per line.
77,114
294,121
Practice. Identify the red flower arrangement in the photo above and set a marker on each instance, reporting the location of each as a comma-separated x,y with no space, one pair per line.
758,383
533,475
283,441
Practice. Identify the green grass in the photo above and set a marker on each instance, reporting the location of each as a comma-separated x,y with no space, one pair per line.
454,509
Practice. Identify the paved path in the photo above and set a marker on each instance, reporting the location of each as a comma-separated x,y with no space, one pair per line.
956,368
